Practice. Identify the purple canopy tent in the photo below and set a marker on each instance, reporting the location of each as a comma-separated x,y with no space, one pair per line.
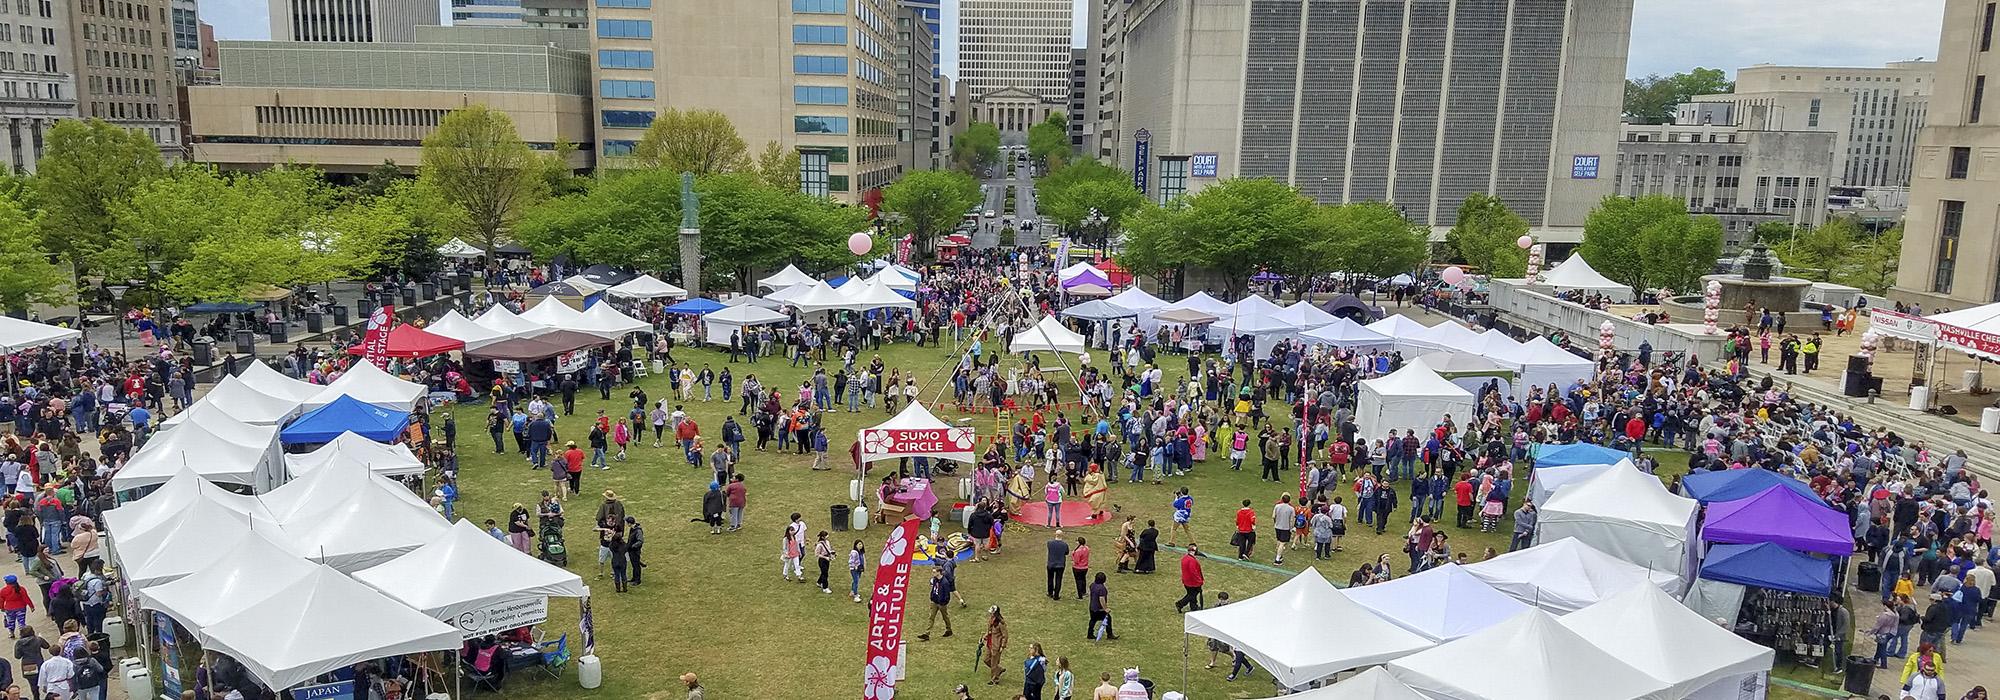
1087,277
1780,516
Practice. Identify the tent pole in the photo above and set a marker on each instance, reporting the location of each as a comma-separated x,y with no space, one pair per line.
1184,661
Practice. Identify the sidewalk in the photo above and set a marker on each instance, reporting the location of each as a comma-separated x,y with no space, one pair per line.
46,627
1976,662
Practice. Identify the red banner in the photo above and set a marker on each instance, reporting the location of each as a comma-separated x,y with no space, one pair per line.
1969,339
375,343
883,668
894,443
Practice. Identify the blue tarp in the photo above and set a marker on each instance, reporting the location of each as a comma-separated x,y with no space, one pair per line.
1709,487
1769,566
345,415
222,307
696,307
837,281
1577,453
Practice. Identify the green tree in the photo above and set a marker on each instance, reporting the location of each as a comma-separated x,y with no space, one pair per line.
977,147
630,218
1651,100
395,233
1374,238
699,141
1823,249
930,203
1070,192
27,277
778,166
1650,242
1872,266
480,168
1485,236
1048,141
1772,233
260,231
1268,224
377,180
90,167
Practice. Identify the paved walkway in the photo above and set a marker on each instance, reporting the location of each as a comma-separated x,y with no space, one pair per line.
1976,662
46,627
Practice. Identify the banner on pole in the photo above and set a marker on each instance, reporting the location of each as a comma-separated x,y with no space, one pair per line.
1902,325
170,655
375,343
883,666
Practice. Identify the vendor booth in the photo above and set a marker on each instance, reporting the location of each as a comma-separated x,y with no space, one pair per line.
365,527
1304,630
1542,363
1560,455
1408,334
250,571
1531,655
1543,481
407,340
349,448
345,415
1440,604
605,321
1575,274
200,534
1770,566
21,334
269,381
1783,517
322,623
457,327
646,287
1048,335
370,384
1698,659
791,276
1470,371
168,501
1349,307
325,486
1732,484
500,320
554,313
1627,514
1343,333
215,445
235,398
737,319
473,582
1411,398
1565,575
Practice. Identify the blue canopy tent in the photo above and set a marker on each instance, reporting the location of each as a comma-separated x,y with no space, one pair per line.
1710,487
1769,565
696,307
1577,453
837,281
345,415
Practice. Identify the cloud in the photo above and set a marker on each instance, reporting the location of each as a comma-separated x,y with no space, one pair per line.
1670,36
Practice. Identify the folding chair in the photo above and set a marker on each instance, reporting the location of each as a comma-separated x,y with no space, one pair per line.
555,656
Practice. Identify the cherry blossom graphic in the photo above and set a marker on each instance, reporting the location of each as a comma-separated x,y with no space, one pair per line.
879,679
895,547
961,438
877,442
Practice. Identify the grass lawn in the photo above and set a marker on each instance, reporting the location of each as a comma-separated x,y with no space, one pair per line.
715,605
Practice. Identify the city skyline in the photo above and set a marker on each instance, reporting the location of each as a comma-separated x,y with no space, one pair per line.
1818,32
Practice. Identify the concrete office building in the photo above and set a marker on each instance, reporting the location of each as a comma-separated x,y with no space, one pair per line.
1742,176
918,129
1951,234
487,13
1876,111
1082,110
555,14
126,72
1022,44
1415,102
1106,38
37,79
350,20
346,108
815,75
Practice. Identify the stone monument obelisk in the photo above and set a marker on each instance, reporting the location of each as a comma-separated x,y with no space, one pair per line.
690,238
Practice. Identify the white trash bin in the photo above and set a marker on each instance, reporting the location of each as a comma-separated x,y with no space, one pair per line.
589,672
859,519
138,682
1920,398
114,627
965,488
854,489
1989,420
1970,379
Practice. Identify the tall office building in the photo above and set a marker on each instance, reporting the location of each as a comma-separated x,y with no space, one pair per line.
1951,234
1015,43
37,79
1742,176
1082,110
917,122
555,14
1875,111
932,12
816,75
1106,39
1415,102
127,72
350,20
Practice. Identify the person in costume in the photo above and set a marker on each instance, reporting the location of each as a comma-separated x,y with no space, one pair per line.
1096,491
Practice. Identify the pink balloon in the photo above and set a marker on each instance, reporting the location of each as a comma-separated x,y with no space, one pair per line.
1525,242
860,243
1452,275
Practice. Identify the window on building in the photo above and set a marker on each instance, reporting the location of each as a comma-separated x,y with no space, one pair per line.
812,172
835,35
825,7
1986,29
819,95
1173,178
836,183
625,89
1961,162
819,65
619,147
623,58
624,29
806,124
628,118
1951,216
1978,99
625,3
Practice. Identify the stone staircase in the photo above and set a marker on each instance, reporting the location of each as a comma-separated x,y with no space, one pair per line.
1942,434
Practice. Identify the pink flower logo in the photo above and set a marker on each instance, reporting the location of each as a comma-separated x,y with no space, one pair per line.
877,442
894,549
961,438
879,679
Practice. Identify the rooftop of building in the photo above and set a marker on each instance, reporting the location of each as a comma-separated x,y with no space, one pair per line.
460,63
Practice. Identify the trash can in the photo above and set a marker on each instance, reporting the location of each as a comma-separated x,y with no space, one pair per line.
246,341
114,629
315,322
339,315
1860,675
204,351
409,295
859,521
429,289
589,671
277,329
839,517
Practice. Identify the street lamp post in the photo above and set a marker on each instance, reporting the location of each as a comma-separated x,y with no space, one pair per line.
118,317
1095,221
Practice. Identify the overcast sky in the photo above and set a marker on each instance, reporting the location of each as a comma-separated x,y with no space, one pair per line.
1668,36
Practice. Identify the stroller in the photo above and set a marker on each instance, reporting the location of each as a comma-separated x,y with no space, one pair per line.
550,541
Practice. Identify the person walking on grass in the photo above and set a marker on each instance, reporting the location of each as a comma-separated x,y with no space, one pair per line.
1058,558
994,644
1183,512
856,558
823,553
1100,610
795,548
635,541
1191,580
1283,518
1246,531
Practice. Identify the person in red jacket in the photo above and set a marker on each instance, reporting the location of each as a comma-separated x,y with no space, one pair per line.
1246,530
15,603
573,463
1190,579
1635,430
1463,490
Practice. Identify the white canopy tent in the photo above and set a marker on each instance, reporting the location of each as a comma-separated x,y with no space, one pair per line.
1079,269
915,432
646,287
364,528
1304,630
266,380
787,294
18,334
1408,334
819,296
1343,333
1198,301
250,571
458,248
1565,575
874,293
736,318
1441,604
1138,300
199,535
236,399
1648,629
1529,656
1256,305
1303,314
1496,346
1629,515
1449,335
1546,480
168,501
1543,363
603,320
373,385
501,320
1980,319
457,327
215,445
747,300
321,623
554,313
1048,335
788,277
1372,684
324,487
467,571
1411,398
1576,274
387,460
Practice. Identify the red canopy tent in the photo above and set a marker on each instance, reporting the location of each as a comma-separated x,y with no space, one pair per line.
410,341
1119,277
